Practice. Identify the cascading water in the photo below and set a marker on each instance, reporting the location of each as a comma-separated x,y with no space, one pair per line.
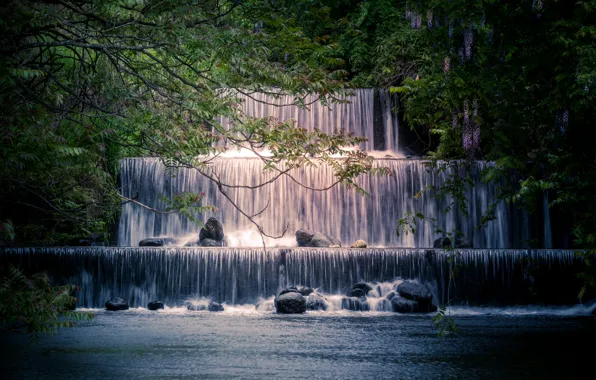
241,274
367,113
244,275
338,212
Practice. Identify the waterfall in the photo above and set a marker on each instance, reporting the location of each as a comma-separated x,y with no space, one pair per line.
367,113
243,275
339,212
548,238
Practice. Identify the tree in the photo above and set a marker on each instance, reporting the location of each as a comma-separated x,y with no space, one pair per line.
84,83
31,305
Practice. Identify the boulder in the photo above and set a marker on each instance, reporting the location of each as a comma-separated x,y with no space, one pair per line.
210,243
322,240
358,244
212,230
304,290
156,242
416,292
303,237
315,301
290,303
361,289
116,303
442,243
355,304
214,306
402,305
192,243
155,305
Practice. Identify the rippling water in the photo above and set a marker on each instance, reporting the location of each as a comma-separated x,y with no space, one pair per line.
245,344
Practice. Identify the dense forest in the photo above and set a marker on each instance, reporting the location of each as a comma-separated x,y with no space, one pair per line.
86,83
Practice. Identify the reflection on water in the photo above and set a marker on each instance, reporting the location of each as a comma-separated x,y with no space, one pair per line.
245,344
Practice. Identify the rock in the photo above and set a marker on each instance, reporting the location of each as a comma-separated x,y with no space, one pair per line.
361,289
303,237
322,240
308,238
442,243
358,244
418,293
212,230
402,305
304,290
214,306
315,301
290,303
355,304
210,243
157,242
116,303
155,305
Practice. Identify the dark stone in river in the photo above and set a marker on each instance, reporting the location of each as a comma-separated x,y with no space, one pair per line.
361,289
116,303
321,240
214,306
304,290
315,301
213,229
156,242
210,243
155,305
308,238
358,244
402,305
442,243
417,292
290,303
303,237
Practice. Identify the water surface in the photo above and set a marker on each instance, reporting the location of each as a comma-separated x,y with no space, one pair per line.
243,344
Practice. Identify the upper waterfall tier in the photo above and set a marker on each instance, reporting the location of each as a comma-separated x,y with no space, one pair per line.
368,113
339,212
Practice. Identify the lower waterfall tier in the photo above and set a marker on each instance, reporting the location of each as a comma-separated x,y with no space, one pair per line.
338,212
244,275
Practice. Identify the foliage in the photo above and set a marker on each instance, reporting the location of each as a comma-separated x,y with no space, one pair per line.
84,83
32,305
